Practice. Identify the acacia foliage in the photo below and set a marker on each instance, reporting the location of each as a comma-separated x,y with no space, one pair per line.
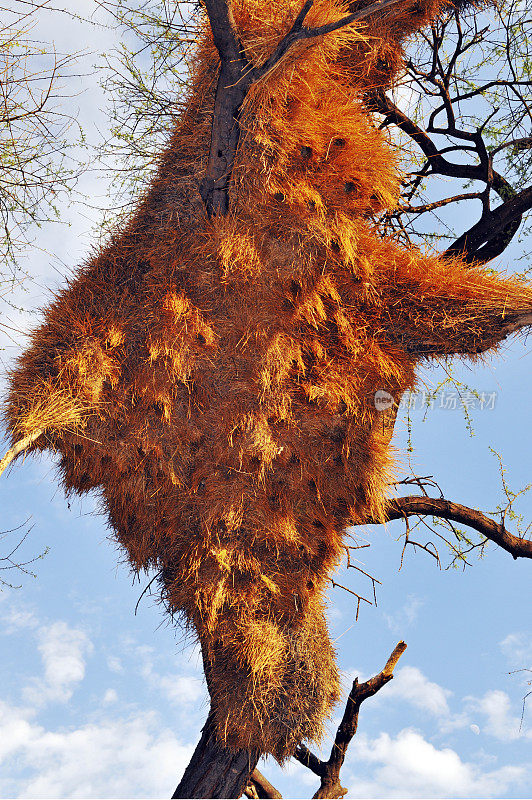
36,167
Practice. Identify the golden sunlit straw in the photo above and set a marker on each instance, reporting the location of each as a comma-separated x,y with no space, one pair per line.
19,447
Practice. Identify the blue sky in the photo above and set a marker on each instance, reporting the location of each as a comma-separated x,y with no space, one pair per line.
98,702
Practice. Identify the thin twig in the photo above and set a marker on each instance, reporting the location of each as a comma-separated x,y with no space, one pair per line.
144,592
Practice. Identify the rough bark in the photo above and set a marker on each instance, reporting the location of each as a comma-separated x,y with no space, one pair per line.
214,771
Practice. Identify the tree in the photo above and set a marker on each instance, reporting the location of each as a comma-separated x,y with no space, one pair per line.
36,167
216,199
465,87
485,119
34,147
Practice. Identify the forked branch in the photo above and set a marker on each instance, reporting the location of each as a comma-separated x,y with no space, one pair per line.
329,771
236,77
490,236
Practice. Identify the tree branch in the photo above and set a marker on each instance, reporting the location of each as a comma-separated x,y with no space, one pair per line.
261,786
490,236
310,761
234,81
299,32
223,29
329,771
497,243
381,103
295,34
408,209
490,226
403,507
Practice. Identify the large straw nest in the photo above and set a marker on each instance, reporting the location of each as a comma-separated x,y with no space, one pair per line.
214,380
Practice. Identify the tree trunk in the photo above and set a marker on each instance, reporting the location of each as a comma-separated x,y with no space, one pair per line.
214,771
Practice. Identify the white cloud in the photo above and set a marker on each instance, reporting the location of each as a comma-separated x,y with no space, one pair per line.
181,689
113,750
495,705
63,650
114,757
490,714
405,616
16,619
114,664
177,688
409,766
411,685
517,647
110,697
16,730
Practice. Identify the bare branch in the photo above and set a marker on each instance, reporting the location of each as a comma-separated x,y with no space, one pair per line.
329,771
299,32
309,760
403,507
491,224
261,786
383,105
359,597
523,143
408,209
